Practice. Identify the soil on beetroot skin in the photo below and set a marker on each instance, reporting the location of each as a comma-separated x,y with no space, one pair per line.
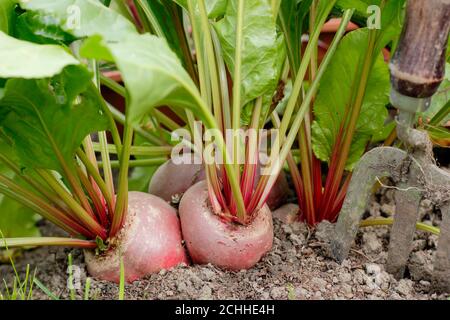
296,268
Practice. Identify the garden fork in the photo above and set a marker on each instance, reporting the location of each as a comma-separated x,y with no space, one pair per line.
417,70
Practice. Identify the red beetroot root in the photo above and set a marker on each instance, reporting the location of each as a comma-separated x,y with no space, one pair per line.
171,179
174,179
227,245
149,241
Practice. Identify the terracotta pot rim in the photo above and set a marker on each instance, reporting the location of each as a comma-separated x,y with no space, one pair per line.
113,75
332,26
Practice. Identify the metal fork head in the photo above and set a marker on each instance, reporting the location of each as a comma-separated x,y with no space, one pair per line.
416,176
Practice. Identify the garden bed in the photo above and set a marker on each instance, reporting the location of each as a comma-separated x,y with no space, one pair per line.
296,268
125,91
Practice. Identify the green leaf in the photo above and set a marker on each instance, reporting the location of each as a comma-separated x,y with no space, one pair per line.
214,8
293,17
360,6
45,115
392,17
153,76
439,135
440,99
167,14
22,59
120,7
15,219
383,133
83,18
37,28
6,15
335,93
263,48
140,176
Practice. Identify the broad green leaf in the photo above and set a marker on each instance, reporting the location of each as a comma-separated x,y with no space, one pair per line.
392,17
360,6
334,96
46,116
293,17
152,73
120,7
22,59
37,28
167,14
15,220
214,8
6,15
361,14
263,47
140,176
83,18
383,133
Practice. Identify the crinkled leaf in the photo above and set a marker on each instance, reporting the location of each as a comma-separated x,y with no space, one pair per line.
152,73
334,97
83,18
42,115
22,59
262,47
43,29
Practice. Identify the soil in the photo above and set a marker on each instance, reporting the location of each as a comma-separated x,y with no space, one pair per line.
296,268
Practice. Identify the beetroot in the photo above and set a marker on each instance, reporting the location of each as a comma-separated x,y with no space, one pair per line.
174,179
287,214
149,241
209,239
171,179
